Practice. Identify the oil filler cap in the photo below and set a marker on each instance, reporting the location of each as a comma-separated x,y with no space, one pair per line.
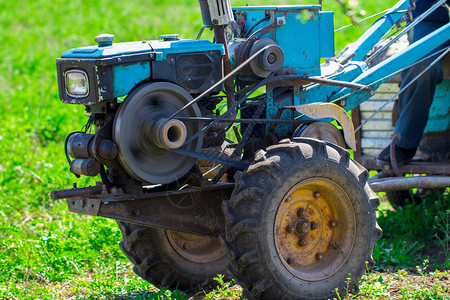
104,40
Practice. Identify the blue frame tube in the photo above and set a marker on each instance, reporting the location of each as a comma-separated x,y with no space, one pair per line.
408,28
399,61
359,49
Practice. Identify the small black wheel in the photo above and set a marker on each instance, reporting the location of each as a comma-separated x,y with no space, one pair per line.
173,259
300,221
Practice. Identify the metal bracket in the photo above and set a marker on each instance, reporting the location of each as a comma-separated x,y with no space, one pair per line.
192,210
331,110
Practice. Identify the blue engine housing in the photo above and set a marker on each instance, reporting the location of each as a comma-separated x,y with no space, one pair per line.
115,69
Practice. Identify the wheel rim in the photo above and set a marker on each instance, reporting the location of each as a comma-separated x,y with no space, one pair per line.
196,248
315,229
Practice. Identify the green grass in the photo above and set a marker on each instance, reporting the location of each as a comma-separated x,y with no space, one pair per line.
47,252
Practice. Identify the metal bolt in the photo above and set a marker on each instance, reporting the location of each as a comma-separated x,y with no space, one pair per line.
290,229
316,194
333,245
314,225
303,227
319,256
342,103
302,242
332,223
301,212
289,260
185,246
271,58
289,199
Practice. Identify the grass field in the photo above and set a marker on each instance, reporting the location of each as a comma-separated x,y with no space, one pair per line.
47,252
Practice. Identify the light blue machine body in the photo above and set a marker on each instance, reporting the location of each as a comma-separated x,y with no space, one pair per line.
126,73
306,35
356,71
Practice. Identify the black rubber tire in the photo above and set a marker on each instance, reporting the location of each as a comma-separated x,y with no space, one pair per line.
250,216
156,261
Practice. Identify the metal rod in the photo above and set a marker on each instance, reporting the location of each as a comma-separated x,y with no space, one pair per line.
407,28
406,183
276,121
365,19
404,88
76,192
325,81
242,100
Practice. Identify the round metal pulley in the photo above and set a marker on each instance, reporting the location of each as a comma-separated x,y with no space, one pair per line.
324,131
270,60
145,135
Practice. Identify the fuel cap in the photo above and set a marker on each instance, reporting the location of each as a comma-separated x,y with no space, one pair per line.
104,39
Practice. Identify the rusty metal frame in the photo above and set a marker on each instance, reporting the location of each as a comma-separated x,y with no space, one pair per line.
193,210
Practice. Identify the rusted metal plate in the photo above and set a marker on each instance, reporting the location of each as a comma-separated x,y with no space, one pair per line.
331,110
315,229
194,210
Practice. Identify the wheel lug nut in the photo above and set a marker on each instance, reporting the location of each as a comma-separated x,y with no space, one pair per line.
316,194
319,256
289,261
314,225
302,242
290,229
288,199
332,223
301,212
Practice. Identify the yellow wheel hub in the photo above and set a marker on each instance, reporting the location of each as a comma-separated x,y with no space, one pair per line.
315,229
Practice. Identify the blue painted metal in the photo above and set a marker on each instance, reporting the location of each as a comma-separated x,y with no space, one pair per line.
307,29
439,118
368,40
109,51
162,49
326,34
399,61
126,77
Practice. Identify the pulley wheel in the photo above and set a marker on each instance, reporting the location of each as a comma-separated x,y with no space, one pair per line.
324,131
145,135
270,60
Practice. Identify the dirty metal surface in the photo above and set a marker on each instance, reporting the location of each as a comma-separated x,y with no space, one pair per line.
194,211
391,184
315,229
428,168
